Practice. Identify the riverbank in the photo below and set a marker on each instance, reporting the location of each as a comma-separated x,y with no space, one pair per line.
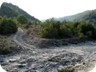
47,43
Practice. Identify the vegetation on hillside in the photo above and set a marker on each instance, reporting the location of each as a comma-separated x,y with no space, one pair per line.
87,16
22,19
67,29
73,17
6,11
10,10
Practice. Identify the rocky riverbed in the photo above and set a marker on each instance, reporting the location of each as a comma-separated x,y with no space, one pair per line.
28,58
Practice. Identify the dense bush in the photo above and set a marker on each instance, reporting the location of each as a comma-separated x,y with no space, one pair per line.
86,29
7,26
50,29
66,29
65,32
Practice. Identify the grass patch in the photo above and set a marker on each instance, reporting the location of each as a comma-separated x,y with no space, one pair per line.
66,70
5,45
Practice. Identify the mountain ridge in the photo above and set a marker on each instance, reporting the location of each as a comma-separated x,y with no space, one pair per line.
72,17
10,10
87,16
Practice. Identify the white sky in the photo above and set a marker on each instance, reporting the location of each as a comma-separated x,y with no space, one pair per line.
44,9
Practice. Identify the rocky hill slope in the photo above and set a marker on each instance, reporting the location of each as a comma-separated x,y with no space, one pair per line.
10,10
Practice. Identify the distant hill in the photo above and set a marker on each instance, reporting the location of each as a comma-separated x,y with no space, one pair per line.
88,16
73,17
10,10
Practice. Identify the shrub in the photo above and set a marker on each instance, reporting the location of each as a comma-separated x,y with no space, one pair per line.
66,29
7,26
22,19
75,28
50,29
65,32
86,28
66,70
5,45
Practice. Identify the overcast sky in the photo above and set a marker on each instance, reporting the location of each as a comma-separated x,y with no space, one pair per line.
44,9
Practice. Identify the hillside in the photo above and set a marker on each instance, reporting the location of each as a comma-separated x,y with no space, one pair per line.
10,10
73,17
88,16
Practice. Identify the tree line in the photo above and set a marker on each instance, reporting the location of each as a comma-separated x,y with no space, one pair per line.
49,28
67,29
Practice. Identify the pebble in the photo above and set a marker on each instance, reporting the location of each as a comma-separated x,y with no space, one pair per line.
12,60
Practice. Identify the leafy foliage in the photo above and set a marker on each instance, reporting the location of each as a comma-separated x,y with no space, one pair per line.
22,19
66,29
7,26
50,28
86,29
